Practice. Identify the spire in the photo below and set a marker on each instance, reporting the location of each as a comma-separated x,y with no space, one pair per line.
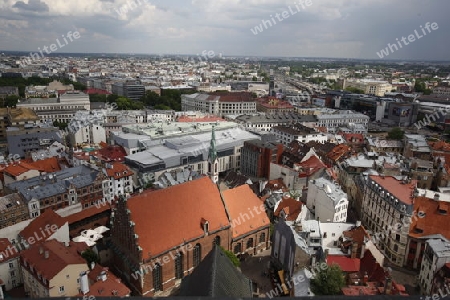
212,156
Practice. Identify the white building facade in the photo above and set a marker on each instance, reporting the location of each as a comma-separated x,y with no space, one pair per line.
327,201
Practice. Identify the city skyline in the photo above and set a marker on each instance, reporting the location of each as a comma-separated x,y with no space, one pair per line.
310,28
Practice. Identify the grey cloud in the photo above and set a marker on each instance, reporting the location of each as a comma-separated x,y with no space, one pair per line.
32,5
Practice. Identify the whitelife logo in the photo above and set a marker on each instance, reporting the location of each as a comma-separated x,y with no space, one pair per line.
45,233
265,24
411,38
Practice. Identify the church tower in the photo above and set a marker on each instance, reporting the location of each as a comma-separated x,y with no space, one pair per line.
213,161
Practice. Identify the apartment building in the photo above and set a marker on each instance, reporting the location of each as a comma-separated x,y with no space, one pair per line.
356,122
13,210
120,178
61,189
10,272
16,117
220,104
297,132
265,122
369,86
257,156
327,201
415,145
436,256
387,202
31,138
52,269
61,109
272,105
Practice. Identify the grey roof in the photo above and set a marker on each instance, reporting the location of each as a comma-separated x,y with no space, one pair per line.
173,149
41,187
216,276
277,118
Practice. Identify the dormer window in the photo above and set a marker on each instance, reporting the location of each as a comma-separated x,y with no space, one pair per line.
205,226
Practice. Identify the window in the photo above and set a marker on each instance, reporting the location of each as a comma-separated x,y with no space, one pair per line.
216,241
61,289
157,278
197,254
262,237
237,248
11,265
179,266
250,243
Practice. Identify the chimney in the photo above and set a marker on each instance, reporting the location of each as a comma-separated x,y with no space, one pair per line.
354,250
388,286
365,278
46,254
102,276
84,283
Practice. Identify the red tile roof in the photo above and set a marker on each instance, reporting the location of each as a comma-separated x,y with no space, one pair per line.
40,226
48,165
111,286
86,213
440,146
165,218
183,119
433,222
294,208
96,91
244,209
357,138
118,170
345,263
7,250
310,166
59,257
113,153
338,152
396,187
232,97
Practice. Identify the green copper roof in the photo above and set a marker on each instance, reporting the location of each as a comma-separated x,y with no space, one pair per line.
212,147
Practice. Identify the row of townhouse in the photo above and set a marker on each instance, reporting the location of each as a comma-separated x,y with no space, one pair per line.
80,185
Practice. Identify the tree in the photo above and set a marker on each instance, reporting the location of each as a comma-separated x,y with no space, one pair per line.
328,281
396,134
354,90
11,101
90,256
232,257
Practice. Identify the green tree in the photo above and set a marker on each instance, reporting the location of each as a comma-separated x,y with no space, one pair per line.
90,256
354,90
232,257
328,281
97,98
395,134
10,101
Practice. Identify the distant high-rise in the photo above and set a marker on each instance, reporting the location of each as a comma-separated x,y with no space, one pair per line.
272,83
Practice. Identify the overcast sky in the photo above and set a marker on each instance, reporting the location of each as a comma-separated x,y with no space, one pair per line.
326,28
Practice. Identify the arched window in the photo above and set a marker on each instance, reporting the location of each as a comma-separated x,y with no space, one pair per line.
237,248
262,237
250,243
197,254
216,241
157,278
179,270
